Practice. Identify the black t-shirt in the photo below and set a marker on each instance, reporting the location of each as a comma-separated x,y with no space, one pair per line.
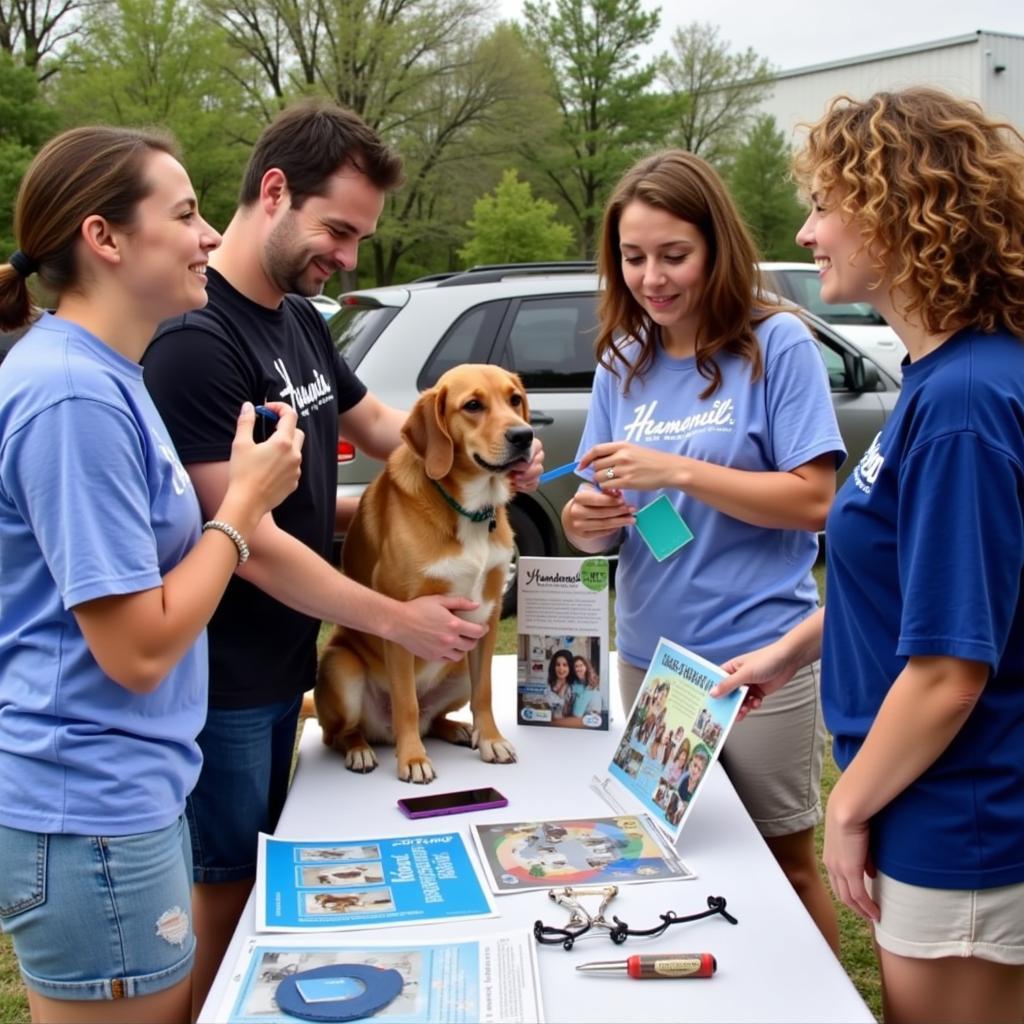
200,368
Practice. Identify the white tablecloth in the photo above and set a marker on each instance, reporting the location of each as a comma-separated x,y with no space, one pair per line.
772,966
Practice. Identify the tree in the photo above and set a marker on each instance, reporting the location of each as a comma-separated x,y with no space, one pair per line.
26,122
716,92
158,62
765,193
34,31
511,226
608,115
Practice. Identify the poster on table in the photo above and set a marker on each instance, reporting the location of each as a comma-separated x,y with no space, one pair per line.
562,667
328,885
491,979
520,856
674,733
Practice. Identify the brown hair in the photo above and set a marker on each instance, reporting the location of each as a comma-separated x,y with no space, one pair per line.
689,188
937,190
80,173
309,142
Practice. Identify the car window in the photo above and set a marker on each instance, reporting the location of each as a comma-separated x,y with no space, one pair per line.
469,340
835,366
355,328
550,342
804,288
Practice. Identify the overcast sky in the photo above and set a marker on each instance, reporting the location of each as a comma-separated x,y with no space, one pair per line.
795,33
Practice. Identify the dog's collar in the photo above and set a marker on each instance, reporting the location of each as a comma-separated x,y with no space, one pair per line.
479,516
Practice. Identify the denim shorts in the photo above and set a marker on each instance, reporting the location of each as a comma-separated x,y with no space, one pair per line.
247,760
98,917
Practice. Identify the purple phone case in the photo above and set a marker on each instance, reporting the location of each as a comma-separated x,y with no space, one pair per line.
460,809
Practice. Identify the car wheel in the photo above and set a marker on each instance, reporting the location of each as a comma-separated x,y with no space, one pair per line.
528,542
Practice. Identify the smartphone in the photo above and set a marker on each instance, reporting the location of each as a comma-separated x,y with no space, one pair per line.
451,803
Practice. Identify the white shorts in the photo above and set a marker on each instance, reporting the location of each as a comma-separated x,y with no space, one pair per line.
930,923
773,757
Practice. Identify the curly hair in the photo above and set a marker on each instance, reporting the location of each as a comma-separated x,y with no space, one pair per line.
937,191
687,187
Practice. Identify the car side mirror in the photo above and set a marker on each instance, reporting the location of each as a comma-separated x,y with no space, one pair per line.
865,375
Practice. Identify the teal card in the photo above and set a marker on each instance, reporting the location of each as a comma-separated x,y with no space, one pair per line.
662,528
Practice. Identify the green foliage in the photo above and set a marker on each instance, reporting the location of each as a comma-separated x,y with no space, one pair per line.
714,91
608,115
763,190
26,122
159,62
511,226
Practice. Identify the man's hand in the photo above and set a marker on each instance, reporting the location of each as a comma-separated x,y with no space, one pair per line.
427,628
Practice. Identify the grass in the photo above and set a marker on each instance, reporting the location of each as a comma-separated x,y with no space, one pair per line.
857,953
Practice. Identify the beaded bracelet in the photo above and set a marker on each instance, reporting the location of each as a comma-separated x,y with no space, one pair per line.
230,531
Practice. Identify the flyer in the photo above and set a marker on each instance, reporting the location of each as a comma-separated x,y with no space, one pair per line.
674,732
521,856
490,979
562,670
329,885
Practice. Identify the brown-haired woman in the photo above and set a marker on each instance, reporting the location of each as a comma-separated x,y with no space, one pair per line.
109,579
713,396
918,208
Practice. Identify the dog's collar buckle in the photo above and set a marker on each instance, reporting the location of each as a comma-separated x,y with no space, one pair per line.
480,515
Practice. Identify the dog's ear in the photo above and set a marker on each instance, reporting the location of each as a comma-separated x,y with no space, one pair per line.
426,433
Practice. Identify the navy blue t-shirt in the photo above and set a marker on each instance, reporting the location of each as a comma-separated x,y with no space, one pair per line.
925,547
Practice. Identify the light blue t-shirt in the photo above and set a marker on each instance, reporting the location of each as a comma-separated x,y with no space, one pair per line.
585,699
93,502
735,586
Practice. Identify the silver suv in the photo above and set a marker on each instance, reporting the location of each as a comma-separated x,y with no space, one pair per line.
539,320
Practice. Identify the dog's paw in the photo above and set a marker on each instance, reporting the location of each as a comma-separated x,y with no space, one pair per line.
417,770
495,751
362,760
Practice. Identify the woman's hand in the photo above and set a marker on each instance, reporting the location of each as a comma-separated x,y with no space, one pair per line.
762,671
846,858
263,475
593,513
528,478
631,467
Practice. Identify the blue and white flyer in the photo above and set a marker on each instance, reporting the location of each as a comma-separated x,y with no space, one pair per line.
674,733
491,979
331,885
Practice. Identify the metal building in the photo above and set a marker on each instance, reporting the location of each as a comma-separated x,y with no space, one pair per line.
983,66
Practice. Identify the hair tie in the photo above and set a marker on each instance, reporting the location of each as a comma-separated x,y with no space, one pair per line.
22,263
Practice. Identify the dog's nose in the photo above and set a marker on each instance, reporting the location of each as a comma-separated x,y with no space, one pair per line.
519,437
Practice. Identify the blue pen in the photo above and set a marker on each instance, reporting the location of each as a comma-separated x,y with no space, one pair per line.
554,474
268,413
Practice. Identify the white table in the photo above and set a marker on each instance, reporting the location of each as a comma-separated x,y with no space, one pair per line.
773,966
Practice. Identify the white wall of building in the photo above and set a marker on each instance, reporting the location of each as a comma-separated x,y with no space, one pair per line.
965,65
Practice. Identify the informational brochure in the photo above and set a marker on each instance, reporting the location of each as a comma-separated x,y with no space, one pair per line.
490,979
520,856
674,732
562,610
328,885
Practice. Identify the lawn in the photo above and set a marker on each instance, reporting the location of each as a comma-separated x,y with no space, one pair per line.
857,954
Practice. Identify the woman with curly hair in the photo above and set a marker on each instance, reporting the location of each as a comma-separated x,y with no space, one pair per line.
918,208
712,395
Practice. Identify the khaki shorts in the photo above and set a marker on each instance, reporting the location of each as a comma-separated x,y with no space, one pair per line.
773,757
930,923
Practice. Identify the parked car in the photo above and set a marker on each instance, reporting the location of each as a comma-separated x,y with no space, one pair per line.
539,320
325,305
858,322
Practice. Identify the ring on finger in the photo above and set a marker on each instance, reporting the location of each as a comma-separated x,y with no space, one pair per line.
609,473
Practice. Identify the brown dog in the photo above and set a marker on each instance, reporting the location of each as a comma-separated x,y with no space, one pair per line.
433,522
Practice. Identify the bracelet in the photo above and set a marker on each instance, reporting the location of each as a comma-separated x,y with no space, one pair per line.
230,531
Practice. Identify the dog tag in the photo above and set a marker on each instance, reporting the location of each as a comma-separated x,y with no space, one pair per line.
662,528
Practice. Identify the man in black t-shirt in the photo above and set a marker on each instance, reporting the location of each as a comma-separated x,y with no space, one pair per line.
314,188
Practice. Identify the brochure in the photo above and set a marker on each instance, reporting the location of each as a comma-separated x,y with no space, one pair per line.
521,856
562,608
490,979
328,885
673,734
